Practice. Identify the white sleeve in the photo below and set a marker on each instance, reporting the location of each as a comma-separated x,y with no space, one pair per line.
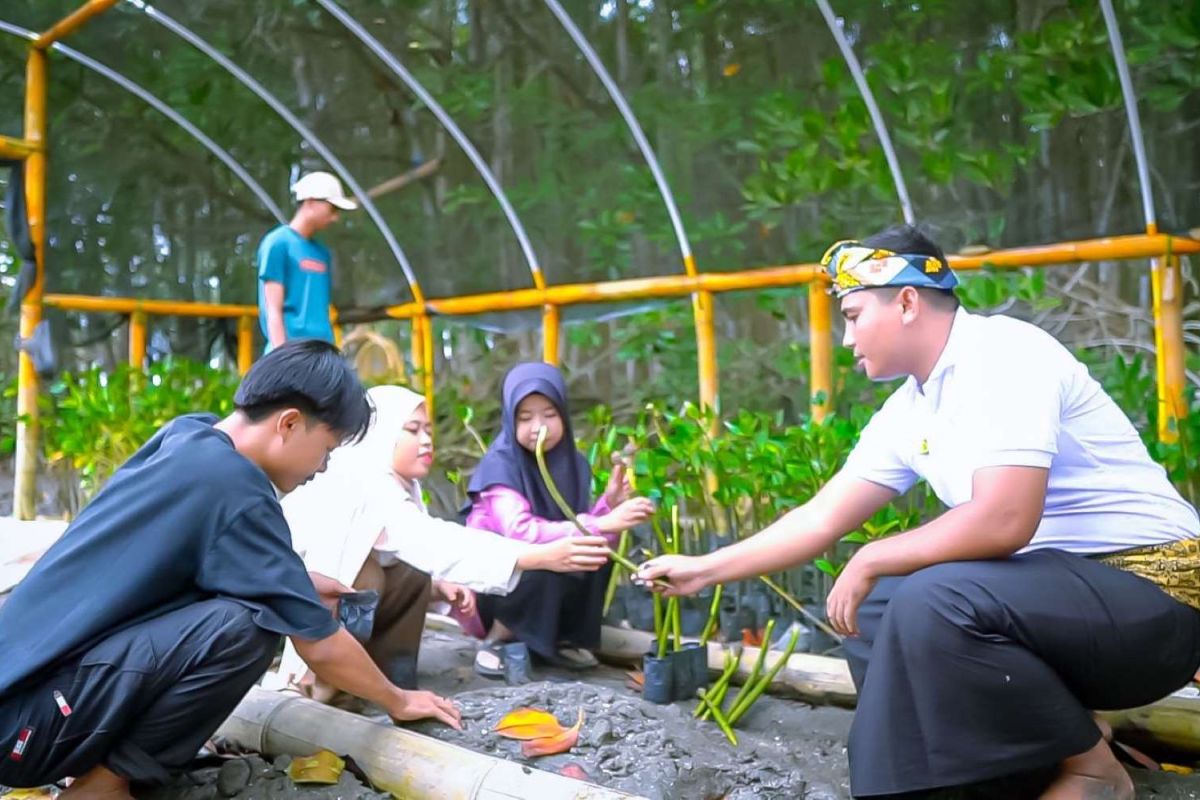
879,455
1015,416
480,560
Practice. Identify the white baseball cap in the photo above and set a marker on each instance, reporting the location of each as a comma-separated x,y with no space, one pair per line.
322,186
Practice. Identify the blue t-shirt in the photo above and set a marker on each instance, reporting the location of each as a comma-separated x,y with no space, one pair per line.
304,267
186,519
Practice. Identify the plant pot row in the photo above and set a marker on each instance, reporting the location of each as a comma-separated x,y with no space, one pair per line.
677,675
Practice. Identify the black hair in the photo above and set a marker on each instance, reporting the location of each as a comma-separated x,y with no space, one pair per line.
911,240
309,375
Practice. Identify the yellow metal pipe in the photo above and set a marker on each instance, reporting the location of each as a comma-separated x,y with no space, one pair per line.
161,308
1110,248
26,456
820,344
137,339
550,334
73,22
610,291
17,149
245,344
706,351
429,366
1167,286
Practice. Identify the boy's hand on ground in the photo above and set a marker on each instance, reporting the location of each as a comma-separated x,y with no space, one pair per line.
632,512
574,554
413,705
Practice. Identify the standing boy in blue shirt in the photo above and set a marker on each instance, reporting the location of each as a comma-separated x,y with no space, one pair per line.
295,269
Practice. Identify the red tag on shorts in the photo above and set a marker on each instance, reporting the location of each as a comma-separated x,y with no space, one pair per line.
18,751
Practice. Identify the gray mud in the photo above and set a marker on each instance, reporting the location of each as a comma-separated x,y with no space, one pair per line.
252,778
633,746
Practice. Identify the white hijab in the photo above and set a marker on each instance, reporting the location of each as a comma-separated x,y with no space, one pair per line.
339,516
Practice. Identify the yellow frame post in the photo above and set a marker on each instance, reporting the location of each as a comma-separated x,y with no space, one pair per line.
1166,282
706,353
422,358
137,339
245,344
551,327
26,460
820,343
16,148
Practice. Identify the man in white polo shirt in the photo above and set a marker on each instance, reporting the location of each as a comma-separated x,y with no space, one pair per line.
1064,576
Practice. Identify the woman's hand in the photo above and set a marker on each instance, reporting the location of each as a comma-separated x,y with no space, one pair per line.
571,554
628,514
619,484
460,597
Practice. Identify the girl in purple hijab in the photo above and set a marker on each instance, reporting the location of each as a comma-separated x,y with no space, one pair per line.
556,615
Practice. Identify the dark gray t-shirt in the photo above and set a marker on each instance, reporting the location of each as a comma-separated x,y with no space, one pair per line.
187,518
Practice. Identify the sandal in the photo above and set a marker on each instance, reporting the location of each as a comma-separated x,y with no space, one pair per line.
489,660
577,658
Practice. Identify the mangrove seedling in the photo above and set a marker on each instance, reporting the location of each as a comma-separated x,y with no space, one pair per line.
738,711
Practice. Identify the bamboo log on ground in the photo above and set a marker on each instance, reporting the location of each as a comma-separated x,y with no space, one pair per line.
399,761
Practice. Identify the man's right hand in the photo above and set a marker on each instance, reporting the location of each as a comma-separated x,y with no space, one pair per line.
573,554
413,705
684,575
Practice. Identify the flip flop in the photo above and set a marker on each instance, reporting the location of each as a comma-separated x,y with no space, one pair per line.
577,658
489,660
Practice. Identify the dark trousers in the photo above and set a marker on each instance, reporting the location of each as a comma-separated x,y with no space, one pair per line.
974,670
399,618
549,609
142,701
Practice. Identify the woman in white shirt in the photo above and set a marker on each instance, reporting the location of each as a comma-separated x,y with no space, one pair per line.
363,523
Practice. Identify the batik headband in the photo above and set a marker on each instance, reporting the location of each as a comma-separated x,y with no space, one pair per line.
853,266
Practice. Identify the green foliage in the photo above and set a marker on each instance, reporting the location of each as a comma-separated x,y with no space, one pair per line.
8,414
93,421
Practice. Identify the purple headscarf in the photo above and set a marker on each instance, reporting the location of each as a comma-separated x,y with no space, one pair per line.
507,463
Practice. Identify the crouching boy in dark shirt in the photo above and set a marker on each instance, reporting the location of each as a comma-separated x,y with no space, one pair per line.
138,632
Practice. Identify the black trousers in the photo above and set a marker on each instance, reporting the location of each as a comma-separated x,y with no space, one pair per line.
551,608
974,670
141,702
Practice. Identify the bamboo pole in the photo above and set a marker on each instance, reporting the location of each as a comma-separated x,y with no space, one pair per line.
245,344
137,339
73,22
551,335
820,344
396,760
26,457
17,149
1166,282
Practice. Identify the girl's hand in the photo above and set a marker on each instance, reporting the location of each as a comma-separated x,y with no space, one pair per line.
619,484
625,516
462,598
571,554
674,575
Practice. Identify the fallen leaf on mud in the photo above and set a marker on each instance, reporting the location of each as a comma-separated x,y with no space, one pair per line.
1177,769
574,770
528,723
752,638
28,794
635,680
554,744
323,767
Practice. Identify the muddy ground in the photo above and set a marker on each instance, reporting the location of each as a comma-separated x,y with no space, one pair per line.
787,749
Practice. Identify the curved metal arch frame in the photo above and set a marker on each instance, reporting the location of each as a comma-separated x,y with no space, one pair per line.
868,97
243,77
468,147
158,105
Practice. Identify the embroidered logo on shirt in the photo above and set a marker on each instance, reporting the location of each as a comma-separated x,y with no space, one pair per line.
63,707
18,751
312,265
923,450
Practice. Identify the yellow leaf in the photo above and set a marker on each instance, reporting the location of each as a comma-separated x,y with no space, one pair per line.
323,767
553,745
731,69
1176,768
528,723
27,794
